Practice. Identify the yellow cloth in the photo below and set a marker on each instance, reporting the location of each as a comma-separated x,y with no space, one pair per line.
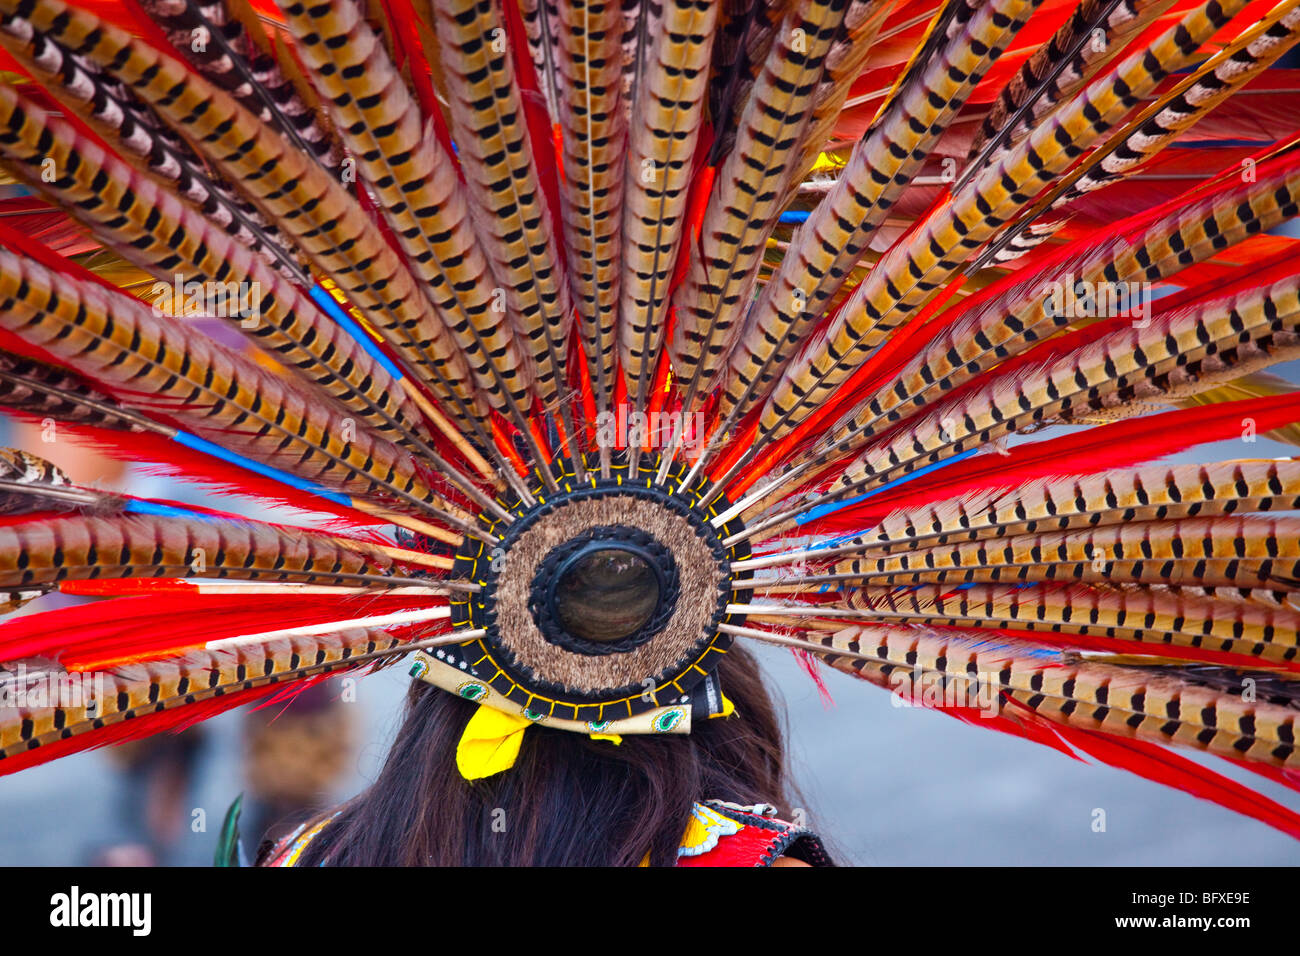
490,743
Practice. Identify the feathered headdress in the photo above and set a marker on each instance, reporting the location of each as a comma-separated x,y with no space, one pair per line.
588,338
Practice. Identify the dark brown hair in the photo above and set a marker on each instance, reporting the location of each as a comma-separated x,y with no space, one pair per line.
568,801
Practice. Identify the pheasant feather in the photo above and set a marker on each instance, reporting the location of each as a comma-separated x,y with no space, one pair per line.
590,61
910,273
662,137
883,162
747,194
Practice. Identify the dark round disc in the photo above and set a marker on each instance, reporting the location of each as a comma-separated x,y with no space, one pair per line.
606,592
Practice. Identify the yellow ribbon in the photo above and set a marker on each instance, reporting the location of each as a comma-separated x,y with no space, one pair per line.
490,743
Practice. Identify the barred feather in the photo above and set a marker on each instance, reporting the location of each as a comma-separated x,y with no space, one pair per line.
46,391
1188,102
590,62
1130,362
292,189
487,117
910,273
1128,702
1005,325
415,180
1152,493
234,56
29,484
662,137
40,553
847,56
830,243
747,194
115,113
177,245
1096,32
1149,616
137,696
196,381
1245,552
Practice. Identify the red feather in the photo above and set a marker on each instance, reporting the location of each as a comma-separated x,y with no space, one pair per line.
123,630
166,457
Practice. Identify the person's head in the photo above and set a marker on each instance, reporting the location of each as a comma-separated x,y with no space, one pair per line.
568,800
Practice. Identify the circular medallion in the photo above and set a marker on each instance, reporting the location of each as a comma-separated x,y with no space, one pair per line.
601,602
